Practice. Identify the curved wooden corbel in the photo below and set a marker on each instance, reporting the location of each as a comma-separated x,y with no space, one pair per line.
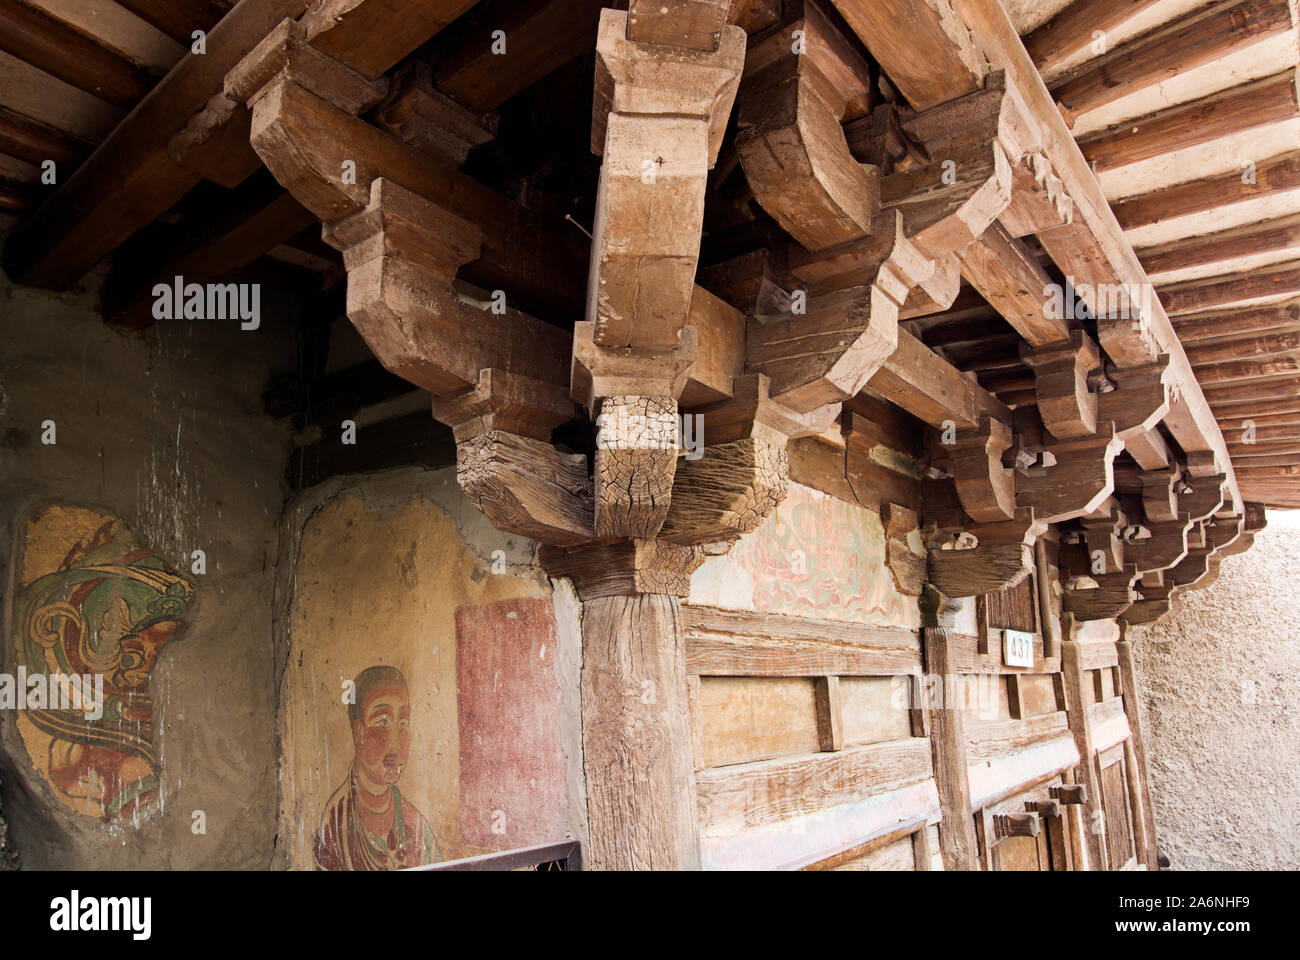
1140,399
1151,607
1205,497
402,253
658,119
1077,483
1113,594
1002,557
797,88
742,471
1166,546
828,354
1065,403
986,488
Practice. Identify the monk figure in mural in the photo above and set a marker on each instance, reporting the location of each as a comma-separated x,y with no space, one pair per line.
368,825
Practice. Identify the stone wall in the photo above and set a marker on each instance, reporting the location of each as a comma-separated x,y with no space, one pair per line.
1220,696
121,455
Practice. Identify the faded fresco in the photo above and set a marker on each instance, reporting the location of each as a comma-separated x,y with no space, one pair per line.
92,611
814,556
452,669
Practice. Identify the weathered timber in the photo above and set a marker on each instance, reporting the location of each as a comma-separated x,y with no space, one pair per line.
657,121
957,840
1183,45
789,138
1001,558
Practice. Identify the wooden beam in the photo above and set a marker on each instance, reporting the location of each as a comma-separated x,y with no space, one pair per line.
129,180
177,18
541,35
1274,175
1245,348
1194,295
31,34
1227,113
31,140
692,24
895,29
1181,46
1271,411
1278,389
1074,28
1247,370
1242,322
372,36
1011,280
931,389
1266,238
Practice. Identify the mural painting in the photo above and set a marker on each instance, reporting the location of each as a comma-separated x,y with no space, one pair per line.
368,824
814,556
449,749
93,610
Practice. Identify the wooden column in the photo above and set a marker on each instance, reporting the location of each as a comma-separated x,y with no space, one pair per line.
1144,815
1076,695
637,754
948,737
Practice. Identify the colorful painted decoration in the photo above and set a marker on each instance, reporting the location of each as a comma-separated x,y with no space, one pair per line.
367,824
94,610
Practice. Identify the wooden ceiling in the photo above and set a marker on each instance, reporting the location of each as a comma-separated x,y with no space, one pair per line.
1186,111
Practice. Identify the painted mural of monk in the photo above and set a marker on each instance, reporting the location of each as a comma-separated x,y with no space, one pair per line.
367,824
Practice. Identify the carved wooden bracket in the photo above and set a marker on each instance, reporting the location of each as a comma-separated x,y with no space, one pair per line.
432,122
1140,399
1016,825
986,488
1160,494
1165,547
658,120
905,561
828,354
1152,606
1205,497
1080,480
402,252
1112,595
743,470
624,567
1038,199
1002,558
789,139
1067,406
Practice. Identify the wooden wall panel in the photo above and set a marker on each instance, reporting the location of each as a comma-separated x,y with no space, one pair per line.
892,856
1015,608
751,718
1037,694
870,713
1114,799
